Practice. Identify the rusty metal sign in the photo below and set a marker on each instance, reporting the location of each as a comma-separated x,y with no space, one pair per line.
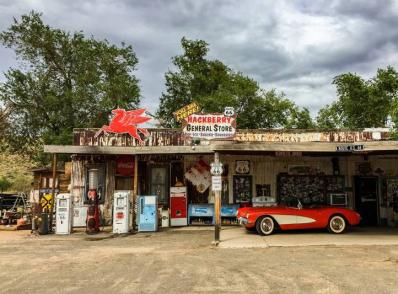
186,111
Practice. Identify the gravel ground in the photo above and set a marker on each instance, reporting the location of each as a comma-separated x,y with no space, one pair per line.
184,262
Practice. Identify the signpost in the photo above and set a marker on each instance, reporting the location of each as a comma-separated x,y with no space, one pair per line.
216,171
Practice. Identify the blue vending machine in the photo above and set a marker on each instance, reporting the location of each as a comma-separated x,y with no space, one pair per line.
147,216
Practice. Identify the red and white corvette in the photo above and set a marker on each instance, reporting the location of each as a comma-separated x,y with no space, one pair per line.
265,220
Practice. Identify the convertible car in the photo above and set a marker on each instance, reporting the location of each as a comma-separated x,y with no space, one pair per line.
291,215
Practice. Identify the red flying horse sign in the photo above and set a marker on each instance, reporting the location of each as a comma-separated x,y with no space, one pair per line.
127,122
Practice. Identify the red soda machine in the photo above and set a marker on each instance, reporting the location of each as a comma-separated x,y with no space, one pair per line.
93,213
178,206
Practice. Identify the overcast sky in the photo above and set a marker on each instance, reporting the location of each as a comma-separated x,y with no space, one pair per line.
294,46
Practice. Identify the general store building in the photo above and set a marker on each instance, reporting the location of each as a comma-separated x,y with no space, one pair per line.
355,169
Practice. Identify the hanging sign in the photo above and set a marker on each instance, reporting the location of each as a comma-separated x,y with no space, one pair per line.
127,122
125,165
216,183
349,148
199,176
45,201
209,126
186,111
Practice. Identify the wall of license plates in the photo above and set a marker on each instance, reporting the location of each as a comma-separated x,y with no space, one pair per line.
310,189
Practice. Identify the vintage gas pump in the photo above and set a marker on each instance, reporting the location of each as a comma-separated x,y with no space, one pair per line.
121,212
63,214
93,213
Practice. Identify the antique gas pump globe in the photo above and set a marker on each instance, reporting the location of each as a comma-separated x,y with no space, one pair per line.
93,217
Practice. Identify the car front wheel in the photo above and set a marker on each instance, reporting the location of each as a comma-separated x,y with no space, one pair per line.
337,224
265,225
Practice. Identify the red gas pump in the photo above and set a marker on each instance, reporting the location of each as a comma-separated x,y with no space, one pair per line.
93,213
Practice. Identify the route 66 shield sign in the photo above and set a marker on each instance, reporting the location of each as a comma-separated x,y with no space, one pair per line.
229,111
216,169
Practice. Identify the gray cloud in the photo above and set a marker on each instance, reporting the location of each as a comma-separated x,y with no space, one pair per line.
296,47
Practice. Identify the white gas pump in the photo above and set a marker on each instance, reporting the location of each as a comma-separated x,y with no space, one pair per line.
121,212
63,214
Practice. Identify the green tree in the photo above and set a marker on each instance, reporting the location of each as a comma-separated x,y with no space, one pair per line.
15,168
329,117
362,103
3,128
300,119
4,184
214,85
66,81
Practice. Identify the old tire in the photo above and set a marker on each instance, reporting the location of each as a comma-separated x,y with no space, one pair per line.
265,225
337,224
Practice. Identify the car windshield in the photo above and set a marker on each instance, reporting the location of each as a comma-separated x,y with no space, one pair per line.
289,201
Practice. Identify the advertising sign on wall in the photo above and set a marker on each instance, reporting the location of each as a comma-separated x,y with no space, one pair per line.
210,126
186,111
127,122
125,165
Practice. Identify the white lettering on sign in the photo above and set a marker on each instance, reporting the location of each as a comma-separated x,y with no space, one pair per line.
209,126
349,148
216,183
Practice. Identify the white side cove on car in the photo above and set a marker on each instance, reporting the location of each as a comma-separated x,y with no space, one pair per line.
286,219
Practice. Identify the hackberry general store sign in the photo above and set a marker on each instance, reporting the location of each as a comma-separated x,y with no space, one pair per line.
209,126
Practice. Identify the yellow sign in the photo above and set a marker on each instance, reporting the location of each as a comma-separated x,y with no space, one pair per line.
186,111
45,201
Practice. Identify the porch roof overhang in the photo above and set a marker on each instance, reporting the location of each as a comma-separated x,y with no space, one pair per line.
228,146
313,147
113,150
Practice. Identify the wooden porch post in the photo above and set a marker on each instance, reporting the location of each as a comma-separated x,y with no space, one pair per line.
135,190
50,223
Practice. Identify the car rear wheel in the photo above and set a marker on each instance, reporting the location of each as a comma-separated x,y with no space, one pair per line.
337,224
265,225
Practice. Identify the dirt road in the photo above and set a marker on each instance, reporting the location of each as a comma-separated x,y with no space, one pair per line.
184,262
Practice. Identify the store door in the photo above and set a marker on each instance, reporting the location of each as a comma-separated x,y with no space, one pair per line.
366,199
159,184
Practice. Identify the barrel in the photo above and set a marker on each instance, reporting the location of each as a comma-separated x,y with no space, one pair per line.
43,224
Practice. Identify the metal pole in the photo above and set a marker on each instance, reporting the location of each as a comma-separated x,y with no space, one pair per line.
50,223
135,190
217,207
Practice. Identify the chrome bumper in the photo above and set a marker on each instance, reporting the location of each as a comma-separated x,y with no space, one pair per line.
242,221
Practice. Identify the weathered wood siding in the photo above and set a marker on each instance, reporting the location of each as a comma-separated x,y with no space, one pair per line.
110,190
157,137
175,137
78,186
77,182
